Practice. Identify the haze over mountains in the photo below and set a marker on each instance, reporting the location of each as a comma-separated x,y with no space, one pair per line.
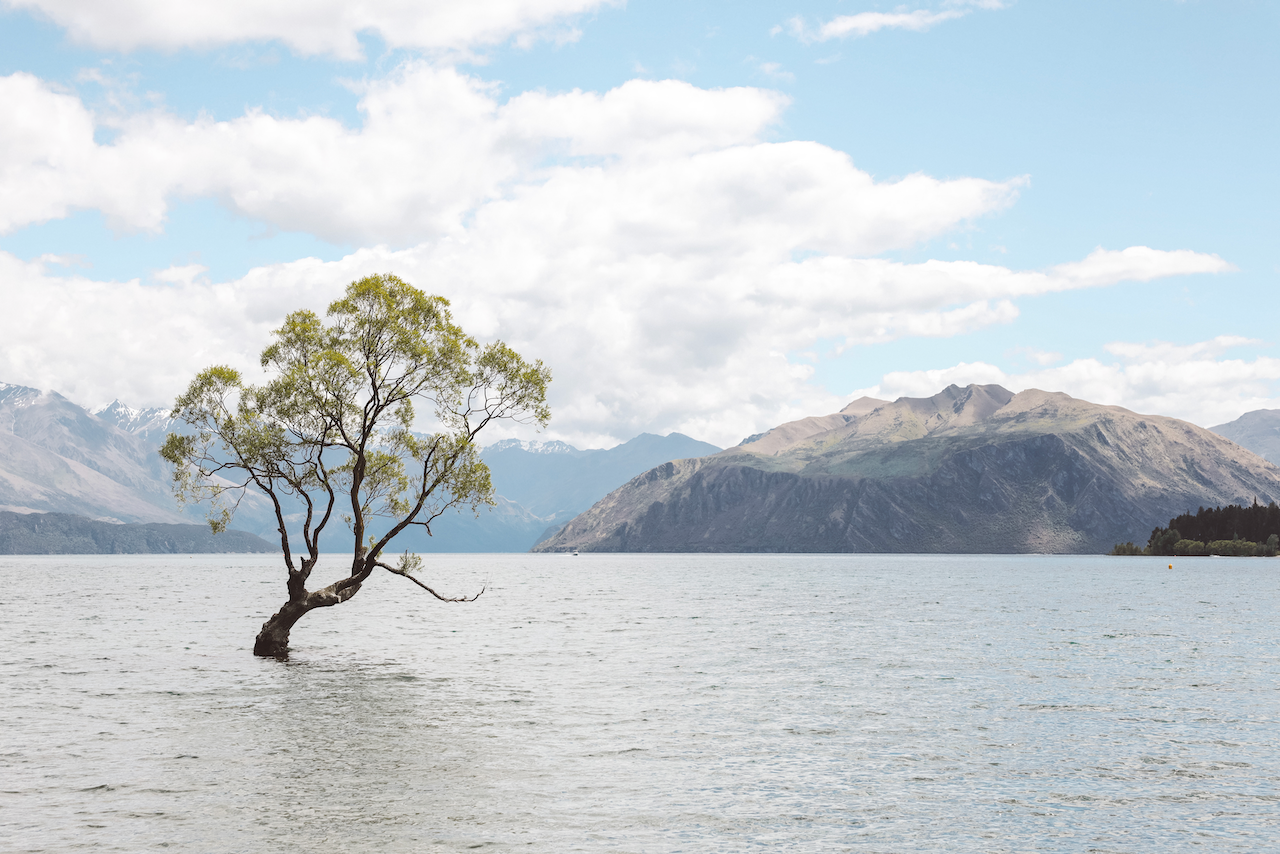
541,486
977,470
57,457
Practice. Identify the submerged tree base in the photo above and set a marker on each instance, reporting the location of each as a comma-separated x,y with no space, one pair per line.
273,640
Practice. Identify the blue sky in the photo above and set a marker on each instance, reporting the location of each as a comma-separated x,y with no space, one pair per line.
749,212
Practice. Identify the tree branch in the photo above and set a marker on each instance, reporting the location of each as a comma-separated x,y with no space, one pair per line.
394,571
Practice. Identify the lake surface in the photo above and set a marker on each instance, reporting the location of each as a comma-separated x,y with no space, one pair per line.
647,704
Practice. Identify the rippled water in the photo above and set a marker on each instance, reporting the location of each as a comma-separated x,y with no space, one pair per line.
646,703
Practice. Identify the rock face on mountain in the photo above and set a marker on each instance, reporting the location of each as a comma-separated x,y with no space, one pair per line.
1259,431
976,470
148,424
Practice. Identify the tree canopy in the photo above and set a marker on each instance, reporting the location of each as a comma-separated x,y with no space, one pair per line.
330,432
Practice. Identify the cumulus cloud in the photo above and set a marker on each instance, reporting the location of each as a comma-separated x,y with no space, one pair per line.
676,162
696,341
308,26
1196,382
866,23
649,243
428,151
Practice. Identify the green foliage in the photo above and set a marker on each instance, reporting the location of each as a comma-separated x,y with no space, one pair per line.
1235,548
409,563
1162,541
1127,549
1190,547
1217,530
330,428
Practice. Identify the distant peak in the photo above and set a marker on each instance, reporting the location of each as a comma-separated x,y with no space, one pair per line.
113,408
533,446
953,392
18,395
130,420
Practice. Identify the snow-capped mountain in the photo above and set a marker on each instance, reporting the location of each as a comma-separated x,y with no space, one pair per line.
533,447
151,424
14,396
56,457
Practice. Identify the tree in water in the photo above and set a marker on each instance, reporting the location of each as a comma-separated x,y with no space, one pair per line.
329,433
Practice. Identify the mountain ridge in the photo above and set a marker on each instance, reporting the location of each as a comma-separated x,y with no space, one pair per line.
978,469
58,457
1259,431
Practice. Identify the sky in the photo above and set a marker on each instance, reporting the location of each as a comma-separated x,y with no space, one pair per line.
706,217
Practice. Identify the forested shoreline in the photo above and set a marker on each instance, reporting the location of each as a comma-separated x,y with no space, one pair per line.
63,533
1234,530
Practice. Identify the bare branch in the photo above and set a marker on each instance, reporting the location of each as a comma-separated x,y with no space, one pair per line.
402,574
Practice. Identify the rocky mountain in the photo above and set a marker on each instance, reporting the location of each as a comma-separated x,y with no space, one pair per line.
60,533
1259,431
976,470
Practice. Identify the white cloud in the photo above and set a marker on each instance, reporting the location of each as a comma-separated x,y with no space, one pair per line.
308,26
185,274
695,340
866,23
1194,382
675,163
642,241
1043,358
775,71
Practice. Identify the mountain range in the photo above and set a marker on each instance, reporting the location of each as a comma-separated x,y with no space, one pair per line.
57,457
977,470
974,469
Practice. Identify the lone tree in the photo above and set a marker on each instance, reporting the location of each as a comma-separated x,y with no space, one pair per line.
329,433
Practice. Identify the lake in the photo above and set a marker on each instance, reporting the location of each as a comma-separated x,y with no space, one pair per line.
640,703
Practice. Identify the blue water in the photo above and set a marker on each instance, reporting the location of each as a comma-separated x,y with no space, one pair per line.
646,704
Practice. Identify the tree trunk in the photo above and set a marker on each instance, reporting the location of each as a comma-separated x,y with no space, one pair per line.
273,640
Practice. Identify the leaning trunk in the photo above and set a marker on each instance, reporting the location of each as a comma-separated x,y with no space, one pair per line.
273,640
